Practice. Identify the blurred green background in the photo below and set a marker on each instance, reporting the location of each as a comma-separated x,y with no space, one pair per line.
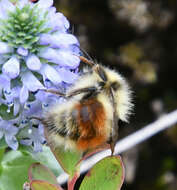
139,39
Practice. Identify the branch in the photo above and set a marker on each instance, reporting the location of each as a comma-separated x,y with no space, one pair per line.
128,142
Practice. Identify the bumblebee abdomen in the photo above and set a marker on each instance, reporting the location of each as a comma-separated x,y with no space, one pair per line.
90,119
82,125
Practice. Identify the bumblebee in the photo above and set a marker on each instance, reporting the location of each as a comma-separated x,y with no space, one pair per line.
89,117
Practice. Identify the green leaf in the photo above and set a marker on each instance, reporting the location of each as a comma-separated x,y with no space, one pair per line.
44,30
67,159
15,166
4,112
33,40
43,185
47,158
17,26
107,174
14,170
2,150
29,37
38,171
3,143
21,34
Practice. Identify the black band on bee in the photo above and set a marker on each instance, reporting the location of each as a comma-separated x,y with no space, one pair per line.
62,132
115,86
51,127
101,84
92,92
101,73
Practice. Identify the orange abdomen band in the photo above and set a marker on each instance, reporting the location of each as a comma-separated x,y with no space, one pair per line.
91,122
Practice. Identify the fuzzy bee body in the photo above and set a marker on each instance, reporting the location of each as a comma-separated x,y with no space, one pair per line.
88,118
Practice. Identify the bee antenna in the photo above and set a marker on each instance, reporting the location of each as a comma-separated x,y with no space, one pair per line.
84,52
87,55
85,60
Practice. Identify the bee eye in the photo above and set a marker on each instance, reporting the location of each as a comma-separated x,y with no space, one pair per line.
115,86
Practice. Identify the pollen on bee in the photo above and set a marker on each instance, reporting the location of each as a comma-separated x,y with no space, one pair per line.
91,121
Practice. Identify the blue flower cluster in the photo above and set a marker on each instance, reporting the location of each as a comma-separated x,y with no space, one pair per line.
36,52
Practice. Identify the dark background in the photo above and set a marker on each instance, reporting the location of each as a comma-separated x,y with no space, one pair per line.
139,39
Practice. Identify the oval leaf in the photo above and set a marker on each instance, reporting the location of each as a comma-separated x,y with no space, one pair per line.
68,160
47,158
14,167
43,185
38,171
107,174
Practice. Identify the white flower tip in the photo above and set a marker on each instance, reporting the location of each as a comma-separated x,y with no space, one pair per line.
11,68
22,51
33,63
4,48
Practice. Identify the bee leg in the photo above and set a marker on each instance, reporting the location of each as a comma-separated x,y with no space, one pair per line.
112,146
112,143
39,119
90,89
115,127
55,92
73,93
114,133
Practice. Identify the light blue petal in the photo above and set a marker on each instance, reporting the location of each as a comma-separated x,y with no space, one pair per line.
7,5
61,57
50,54
24,94
4,48
22,3
57,21
5,82
43,4
31,82
9,136
33,63
63,40
11,142
67,76
16,107
41,129
45,39
37,146
51,74
10,129
22,51
75,49
26,142
2,59
15,91
68,59
35,108
11,68
52,10
41,96
3,14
